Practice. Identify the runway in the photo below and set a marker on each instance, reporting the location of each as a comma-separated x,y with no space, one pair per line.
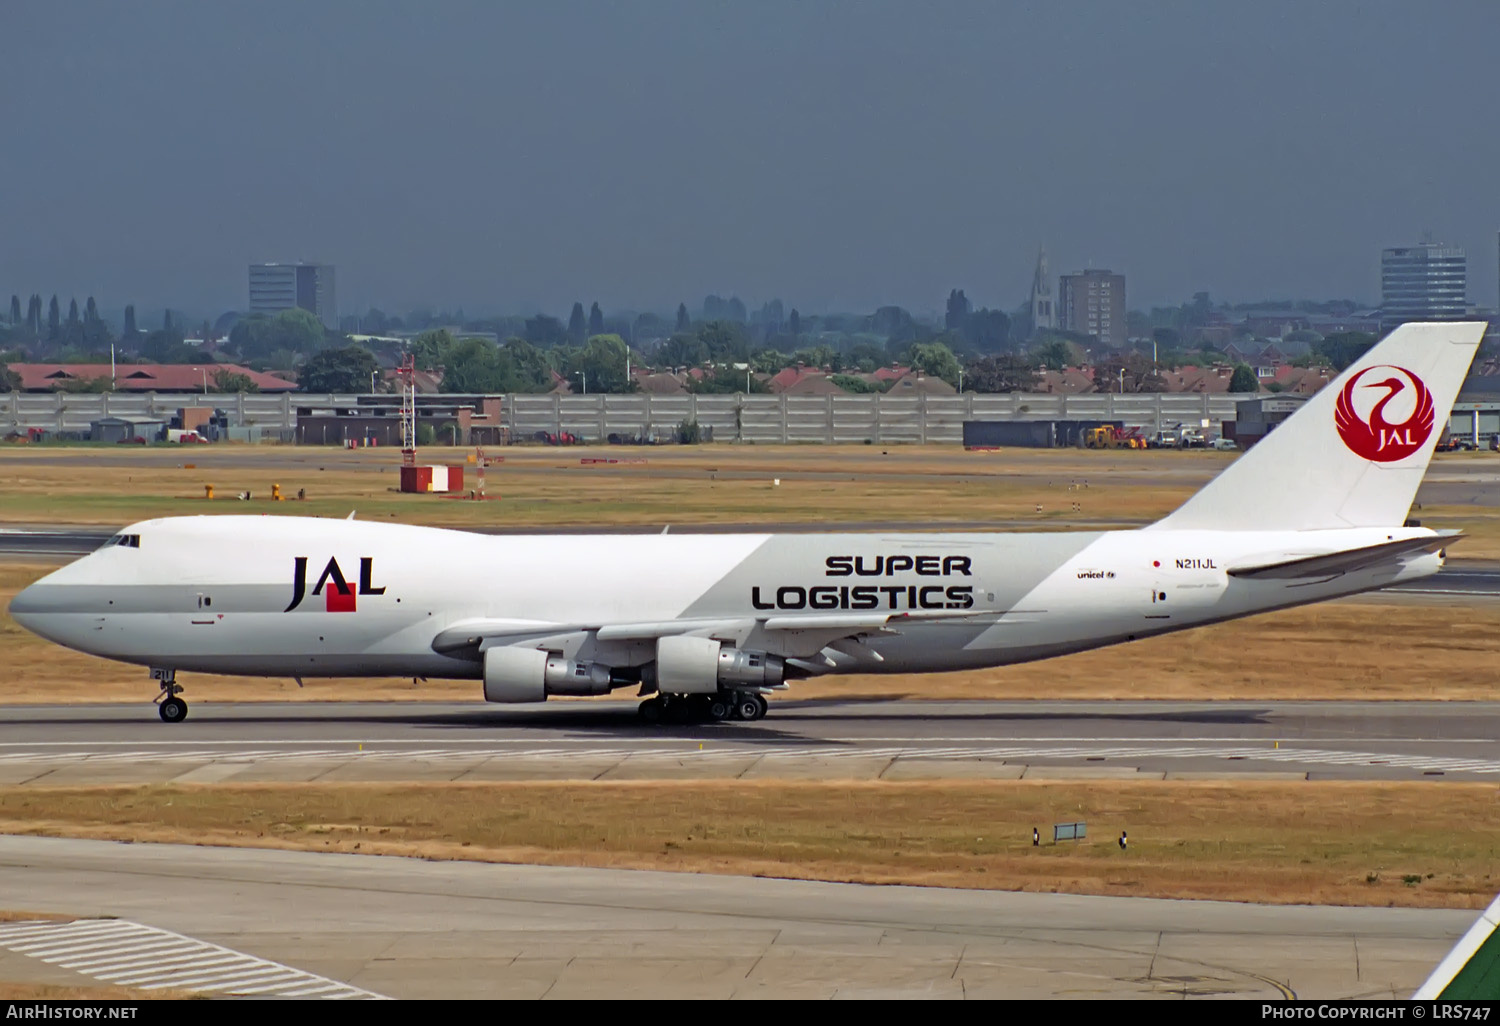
895,740
417,929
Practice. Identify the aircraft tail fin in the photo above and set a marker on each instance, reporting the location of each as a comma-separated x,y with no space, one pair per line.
1471,971
1355,453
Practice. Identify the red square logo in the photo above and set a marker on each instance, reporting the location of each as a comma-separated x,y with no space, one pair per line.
340,600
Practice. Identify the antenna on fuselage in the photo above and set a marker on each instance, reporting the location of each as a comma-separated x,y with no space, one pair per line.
351,515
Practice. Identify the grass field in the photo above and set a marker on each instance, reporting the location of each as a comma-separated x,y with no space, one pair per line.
1410,844
551,487
681,485
1370,648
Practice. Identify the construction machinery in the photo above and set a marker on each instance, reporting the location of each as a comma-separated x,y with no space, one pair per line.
1111,437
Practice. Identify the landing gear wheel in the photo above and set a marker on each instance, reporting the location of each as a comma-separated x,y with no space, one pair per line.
172,710
720,708
747,707
762,705
650,710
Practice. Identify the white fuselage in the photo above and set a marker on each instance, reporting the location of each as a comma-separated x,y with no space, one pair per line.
276,596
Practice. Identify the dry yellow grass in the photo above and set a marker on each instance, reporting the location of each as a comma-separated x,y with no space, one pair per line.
548,487
1372,648
1413,844
542,487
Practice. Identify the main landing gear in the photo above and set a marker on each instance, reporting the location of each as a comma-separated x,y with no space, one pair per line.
725,705
171,708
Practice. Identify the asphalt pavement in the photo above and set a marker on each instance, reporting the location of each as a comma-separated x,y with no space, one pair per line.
800,739
420,929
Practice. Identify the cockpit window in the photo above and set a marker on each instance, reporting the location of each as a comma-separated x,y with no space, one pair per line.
132,541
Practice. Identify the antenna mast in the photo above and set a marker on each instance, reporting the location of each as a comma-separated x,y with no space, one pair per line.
406,373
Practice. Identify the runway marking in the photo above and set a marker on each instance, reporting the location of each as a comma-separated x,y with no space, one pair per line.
719,738
729,749
126,954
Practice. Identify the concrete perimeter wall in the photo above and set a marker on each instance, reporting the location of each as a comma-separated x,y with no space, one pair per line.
878,419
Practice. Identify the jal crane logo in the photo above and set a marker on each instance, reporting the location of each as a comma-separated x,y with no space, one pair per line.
1384,413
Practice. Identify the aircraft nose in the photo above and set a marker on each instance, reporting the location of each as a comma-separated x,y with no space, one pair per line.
25,606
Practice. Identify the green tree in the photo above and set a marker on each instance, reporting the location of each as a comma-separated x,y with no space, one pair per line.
601,365
577,326
725,380
338,370
532,372
999,374
683,349
545,331
1053,354
856,386
10,381
232,381
725,341
95,331
596,320
477,366
1128,372
1243,379
769,361
683,323
936,359
168,347
430,349
1344,347
298,330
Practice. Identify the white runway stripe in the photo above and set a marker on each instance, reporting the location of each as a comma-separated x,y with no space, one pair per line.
127,954
680,751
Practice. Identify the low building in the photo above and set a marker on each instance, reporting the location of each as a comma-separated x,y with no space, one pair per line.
127,429
376,420
139,377
1256,418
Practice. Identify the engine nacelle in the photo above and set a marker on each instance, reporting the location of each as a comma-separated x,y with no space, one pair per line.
565,677
691,665
516,674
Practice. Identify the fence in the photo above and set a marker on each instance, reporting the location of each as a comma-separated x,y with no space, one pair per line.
878,419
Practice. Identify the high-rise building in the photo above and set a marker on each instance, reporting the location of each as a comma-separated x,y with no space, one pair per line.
1043,309
1092,302
278,287
1422,283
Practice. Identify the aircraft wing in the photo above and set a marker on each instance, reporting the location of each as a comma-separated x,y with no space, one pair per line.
1334,563
1471,971
831,626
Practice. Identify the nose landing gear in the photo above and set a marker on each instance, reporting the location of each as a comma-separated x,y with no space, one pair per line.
171,708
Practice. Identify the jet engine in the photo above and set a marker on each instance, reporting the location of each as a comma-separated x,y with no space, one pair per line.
515,674
692,665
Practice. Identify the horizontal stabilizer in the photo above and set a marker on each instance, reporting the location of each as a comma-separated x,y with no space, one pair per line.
1343,562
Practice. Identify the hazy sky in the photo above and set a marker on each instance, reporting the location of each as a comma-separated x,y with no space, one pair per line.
510,156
